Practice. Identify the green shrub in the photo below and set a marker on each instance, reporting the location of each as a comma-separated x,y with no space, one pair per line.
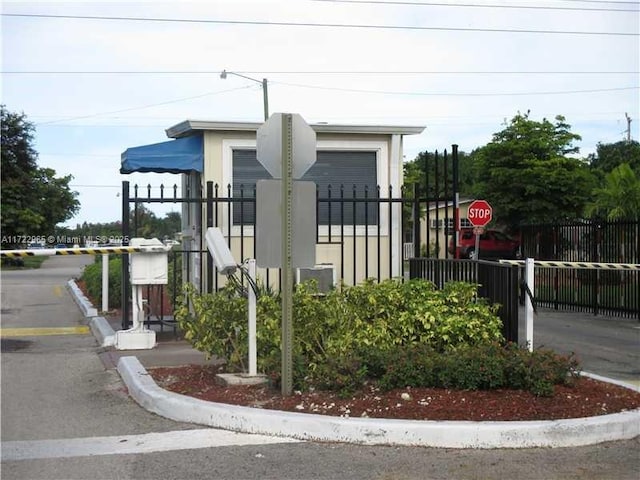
340,339
92,277
217,325
481,367
174,269
399,334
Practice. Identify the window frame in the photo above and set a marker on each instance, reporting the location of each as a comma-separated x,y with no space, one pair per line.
381,150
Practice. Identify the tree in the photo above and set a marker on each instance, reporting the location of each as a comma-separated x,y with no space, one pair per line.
609,156
619,197
527,175
428,168
34,200
414,172
147,223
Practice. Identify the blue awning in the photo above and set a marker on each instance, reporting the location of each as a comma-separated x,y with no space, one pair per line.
182,155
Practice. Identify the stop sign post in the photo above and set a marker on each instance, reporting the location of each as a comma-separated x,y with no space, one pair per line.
479,214
286,147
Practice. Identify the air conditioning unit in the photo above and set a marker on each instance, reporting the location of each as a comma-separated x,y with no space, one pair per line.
323,274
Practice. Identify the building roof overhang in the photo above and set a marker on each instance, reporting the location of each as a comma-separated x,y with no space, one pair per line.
190,127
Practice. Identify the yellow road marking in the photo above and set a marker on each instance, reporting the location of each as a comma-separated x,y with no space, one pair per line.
39,331
57,291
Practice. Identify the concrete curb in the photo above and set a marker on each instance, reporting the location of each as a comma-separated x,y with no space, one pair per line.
620,383
367,431
105,335
102,331
83,302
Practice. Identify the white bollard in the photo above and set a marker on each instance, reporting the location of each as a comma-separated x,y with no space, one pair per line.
105,282
253,360
529,269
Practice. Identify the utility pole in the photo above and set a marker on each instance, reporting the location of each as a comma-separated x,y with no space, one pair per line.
628,127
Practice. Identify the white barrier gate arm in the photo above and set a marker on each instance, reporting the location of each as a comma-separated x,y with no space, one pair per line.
50,252
530,265
581,265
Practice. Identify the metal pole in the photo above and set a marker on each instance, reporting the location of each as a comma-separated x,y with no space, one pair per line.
253,359
415,218
105,282
528,304
287,269
265,97
124,293
456,201
477,251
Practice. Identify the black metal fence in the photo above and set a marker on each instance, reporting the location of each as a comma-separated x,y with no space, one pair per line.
497,282
601,292
365,228
587,241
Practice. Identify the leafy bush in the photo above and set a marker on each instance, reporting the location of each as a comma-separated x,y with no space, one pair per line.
480,367
92,277
174,273
342,338
400,334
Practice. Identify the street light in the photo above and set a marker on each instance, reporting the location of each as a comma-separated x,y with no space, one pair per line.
265,95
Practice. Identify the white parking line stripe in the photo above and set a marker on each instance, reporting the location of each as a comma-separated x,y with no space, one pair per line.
132,444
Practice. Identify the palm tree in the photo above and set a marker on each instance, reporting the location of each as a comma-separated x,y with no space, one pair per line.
619,197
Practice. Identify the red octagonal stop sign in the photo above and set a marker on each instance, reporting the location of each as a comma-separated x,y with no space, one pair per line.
479,213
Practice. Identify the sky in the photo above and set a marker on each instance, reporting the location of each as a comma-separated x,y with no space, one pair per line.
96,78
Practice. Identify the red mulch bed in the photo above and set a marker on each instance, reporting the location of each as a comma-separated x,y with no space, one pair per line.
585,398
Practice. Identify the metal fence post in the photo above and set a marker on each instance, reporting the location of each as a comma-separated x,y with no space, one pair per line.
456,200
209,214
415,218
125,258
105,282
253,359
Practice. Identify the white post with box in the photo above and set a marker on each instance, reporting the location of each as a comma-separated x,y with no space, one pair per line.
148,267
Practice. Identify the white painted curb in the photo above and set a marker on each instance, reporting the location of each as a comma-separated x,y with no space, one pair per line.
620,383
102,331
368,431
105,335
83,302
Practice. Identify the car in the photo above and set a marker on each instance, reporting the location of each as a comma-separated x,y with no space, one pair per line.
61,245
493,244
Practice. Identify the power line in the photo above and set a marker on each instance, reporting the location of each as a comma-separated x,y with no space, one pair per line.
102,155
599,1
319,72
470,5
318,25
94,186
82,117
351,90
442,94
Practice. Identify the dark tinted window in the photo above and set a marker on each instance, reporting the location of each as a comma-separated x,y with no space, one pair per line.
336,173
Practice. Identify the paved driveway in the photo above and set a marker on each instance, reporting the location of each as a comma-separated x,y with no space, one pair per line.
68,417
607,346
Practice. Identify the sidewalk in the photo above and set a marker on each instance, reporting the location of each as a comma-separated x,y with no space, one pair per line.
171,350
